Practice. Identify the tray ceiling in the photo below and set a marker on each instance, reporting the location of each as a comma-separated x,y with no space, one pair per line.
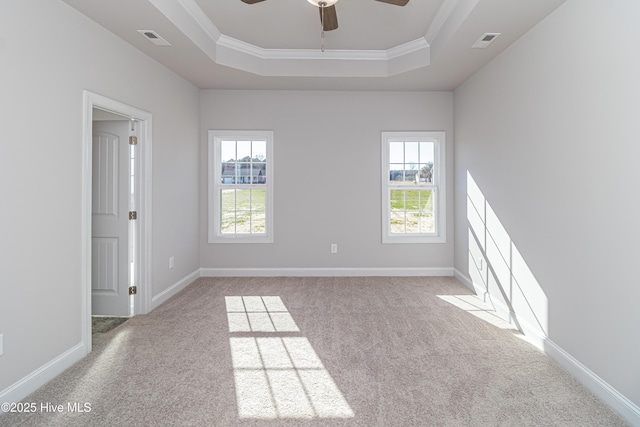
275,44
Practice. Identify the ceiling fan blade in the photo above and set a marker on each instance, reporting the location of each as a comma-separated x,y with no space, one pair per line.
251,1
330,18
396,2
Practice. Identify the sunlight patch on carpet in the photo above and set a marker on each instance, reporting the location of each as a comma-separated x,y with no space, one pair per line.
258,314
104,367
283,378
279,377
477,307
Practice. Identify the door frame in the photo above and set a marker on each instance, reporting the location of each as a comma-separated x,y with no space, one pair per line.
142,299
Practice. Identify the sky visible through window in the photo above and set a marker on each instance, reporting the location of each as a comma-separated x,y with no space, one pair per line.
238,150
410,152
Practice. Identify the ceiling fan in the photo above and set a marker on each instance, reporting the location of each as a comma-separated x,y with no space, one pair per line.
328,16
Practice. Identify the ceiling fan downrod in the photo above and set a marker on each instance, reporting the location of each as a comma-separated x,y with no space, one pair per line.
322,5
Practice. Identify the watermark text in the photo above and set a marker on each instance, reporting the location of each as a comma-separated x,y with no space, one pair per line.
46,407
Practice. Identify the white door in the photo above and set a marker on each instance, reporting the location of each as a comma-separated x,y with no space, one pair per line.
110,219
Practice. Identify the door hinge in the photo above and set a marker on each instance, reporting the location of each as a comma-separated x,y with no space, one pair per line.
133,215
133,290
133,140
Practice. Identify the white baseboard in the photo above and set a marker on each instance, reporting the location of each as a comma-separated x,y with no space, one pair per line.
463,278
466,280
616,401
323,272
163,296
47,372
612,397
42,375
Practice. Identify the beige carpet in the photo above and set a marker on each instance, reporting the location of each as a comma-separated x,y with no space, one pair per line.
102,325
316,352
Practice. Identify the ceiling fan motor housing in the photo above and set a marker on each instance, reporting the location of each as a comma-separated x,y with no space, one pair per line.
318,3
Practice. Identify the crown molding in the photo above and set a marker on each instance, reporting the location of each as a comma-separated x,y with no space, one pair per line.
302,54
187,16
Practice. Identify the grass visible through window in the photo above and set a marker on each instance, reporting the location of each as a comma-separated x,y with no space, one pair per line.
243,211
412,211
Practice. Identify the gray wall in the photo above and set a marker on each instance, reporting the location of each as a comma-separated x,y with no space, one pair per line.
49,53
327,152
549,134
547,131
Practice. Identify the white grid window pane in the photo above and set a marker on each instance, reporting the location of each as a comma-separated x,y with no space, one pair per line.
413,195
240,200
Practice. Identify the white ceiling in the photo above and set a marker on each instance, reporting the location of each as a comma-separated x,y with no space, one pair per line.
275,44
295,24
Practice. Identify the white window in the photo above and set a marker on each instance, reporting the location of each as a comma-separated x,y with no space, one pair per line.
413,187
240,186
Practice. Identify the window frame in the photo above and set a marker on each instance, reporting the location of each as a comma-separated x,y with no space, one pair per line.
438,185
215,138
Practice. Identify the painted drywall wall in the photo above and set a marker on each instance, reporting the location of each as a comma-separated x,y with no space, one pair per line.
546,160
327,152
49,54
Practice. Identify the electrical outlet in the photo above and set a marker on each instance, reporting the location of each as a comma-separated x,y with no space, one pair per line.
1,344
334,248
171,262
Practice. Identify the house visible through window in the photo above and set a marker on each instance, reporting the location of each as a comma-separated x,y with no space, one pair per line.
413,190
240,186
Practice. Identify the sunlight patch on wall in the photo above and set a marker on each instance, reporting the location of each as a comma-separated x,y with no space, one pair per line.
278,377
497,268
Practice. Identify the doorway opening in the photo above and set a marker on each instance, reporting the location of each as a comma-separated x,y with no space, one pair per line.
116,211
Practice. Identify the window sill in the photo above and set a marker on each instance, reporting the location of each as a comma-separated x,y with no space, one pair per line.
240,239
413,239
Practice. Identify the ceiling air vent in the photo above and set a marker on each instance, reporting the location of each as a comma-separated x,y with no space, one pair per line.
485,40
154,37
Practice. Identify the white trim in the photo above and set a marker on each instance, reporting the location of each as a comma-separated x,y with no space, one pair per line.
201,18
325,272
617,401
448,19
214,166
36,379
612,397
144,230
315,54
189,18
163,296
316,63
145,207
438,186
408,48
464,279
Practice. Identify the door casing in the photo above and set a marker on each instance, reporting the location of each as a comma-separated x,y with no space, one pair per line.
142,299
